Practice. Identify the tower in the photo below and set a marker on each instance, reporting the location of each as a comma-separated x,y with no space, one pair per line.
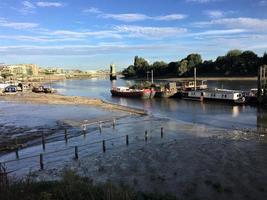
113,75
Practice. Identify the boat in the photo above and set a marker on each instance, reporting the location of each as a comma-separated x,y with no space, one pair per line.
190,85
133,93
42,89
166,91
233,96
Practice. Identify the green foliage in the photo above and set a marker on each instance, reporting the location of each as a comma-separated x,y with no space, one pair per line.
234,63
71,187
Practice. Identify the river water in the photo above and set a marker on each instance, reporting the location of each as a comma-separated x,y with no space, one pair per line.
221,115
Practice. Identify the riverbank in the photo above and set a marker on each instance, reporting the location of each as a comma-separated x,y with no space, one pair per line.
253,78
56,99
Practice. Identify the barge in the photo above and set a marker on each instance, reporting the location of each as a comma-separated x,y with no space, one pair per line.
133,93
225,95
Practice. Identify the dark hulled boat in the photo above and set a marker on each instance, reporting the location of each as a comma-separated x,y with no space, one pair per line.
133,93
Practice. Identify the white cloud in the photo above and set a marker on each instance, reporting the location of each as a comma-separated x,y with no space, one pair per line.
17,25
76,49
214,13
132,17
202,1
254,24
49,4
221,32
150,32
85,34
263,3
170,17
27,7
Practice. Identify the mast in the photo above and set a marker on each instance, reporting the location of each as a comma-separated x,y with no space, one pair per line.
195,78
152,78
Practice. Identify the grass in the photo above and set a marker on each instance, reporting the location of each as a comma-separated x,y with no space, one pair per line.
72,187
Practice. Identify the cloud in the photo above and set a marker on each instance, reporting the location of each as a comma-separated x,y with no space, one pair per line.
49,4
202,1
254,24
85,34
150,32
132,17
27,7
17,25
221,32
214,13
263,3
76,49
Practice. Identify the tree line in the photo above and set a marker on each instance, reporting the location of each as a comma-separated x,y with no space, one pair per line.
234,63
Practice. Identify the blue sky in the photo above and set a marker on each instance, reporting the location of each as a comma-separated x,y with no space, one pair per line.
94,33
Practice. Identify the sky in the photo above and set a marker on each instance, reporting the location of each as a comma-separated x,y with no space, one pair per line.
92,34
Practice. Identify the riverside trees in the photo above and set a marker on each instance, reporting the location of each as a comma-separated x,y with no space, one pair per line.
234,63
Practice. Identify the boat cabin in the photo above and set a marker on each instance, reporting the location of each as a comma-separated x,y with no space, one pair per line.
190,85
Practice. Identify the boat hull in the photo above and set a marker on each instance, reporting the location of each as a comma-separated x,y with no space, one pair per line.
165,94
145,94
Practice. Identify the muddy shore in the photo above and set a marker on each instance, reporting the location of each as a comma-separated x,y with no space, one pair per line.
56,99
12,137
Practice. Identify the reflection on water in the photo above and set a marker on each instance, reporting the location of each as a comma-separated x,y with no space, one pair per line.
209,113
235,111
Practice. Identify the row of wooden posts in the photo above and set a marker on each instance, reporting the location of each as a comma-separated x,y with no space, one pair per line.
76,152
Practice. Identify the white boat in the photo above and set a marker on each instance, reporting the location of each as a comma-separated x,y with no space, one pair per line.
217,95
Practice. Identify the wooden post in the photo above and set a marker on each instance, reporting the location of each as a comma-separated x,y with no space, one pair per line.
43,141
17,153
127,140
114,121
146,136
161,132
76,152
41,162
104,146
100,127
66,135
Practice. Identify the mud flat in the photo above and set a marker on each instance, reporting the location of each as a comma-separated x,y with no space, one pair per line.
68,100
190,161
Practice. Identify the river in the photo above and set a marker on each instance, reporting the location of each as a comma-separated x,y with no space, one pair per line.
220,115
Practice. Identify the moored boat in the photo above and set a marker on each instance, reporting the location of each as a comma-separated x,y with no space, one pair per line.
217,95
133,93
166,91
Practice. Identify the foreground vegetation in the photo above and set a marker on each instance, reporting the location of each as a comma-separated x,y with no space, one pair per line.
71,187
234,63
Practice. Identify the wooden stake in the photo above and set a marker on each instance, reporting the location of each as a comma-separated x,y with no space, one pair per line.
17,153
127,140
161,132
66,136
41,162
146,136
76,153
43,141
104,146
114,121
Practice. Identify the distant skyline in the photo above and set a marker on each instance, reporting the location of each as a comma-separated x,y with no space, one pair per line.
93,34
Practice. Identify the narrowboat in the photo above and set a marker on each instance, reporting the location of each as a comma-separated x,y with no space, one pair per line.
217,95
133,93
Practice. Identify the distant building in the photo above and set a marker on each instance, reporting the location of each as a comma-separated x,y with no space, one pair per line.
21,70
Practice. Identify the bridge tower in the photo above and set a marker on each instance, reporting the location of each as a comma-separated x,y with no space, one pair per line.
113,75
262,84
